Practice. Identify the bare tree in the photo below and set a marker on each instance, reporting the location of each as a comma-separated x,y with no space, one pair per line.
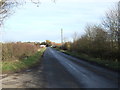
112,24
90,31
5,8
119,25
75,36
7,5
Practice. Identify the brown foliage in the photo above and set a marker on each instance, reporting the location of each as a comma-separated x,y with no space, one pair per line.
101,41
94,43
17,50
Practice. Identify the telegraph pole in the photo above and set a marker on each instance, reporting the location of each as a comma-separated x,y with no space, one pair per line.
61,36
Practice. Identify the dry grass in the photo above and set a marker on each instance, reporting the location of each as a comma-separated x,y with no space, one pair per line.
10,66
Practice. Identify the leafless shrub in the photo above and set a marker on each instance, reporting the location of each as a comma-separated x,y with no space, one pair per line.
17,50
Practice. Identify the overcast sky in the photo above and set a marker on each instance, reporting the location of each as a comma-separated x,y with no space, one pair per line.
32,23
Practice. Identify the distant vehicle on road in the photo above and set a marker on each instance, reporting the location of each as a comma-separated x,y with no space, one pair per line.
53,46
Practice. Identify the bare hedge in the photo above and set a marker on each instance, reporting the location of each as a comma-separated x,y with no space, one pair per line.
12,51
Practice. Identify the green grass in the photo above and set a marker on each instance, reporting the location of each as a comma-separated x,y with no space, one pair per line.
18,65
114,65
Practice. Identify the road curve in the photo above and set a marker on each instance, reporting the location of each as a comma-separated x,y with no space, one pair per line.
64,71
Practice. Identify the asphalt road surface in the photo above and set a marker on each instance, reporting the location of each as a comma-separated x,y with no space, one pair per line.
64,71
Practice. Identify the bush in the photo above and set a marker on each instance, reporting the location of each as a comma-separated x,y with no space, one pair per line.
95,43
17,50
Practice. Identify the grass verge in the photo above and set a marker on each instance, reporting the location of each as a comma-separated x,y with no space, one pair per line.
113,65
18,65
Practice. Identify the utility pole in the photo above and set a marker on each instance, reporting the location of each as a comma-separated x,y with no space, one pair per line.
61,36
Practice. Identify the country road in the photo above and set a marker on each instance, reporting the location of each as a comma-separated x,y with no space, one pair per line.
63,71
58,70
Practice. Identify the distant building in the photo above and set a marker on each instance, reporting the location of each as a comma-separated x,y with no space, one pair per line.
42,46
56,44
